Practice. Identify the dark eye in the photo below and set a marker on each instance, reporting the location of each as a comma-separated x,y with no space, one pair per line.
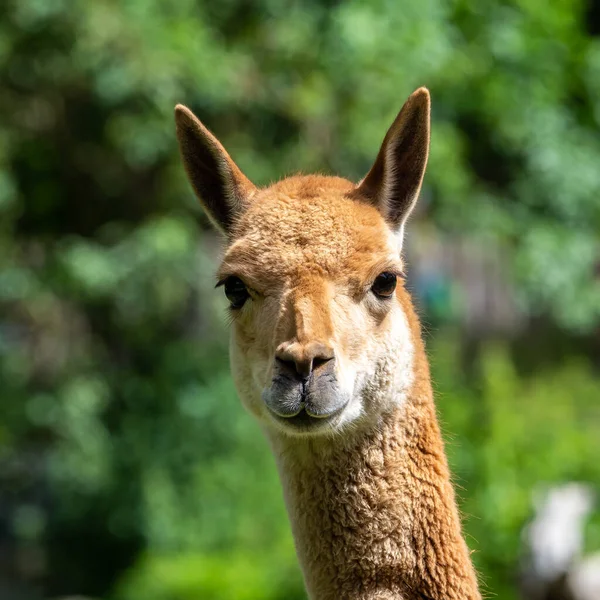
384,284
236,291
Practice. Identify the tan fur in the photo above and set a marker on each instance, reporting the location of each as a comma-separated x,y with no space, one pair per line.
374,515
366,484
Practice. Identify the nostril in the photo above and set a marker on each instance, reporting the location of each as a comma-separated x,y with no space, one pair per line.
319,361
287,366
300,368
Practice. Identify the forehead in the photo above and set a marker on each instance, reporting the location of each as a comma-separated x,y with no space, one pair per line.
308,224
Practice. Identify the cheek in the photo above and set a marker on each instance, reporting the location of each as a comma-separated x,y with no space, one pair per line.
356,329
390,349
351,329
374,346
246,370
251,347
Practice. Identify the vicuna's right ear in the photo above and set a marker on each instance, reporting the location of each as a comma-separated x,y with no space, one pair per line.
223,190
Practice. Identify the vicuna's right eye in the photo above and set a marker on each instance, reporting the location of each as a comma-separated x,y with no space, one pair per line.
236,291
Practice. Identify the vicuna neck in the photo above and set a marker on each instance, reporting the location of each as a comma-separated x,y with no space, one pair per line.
374,516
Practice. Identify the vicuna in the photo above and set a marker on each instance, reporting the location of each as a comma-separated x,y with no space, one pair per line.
326,353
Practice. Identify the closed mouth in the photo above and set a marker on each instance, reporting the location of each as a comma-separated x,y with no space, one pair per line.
304,421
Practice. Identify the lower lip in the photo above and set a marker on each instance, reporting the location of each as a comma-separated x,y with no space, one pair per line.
304,422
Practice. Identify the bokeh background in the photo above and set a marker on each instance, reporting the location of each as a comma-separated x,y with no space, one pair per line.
128,469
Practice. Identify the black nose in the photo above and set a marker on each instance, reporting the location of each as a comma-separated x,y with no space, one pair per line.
302,368
302,358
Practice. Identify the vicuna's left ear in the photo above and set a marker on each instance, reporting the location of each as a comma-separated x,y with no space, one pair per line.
394,181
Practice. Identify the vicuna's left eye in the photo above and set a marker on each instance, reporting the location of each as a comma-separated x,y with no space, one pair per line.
236,291
384,284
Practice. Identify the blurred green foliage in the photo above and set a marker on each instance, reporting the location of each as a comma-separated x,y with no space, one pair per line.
124,454
509,438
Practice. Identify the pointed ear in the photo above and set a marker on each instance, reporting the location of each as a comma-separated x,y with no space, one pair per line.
394,181
223,190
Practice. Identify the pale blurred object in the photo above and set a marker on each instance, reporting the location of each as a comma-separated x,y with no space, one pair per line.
583,581
553,568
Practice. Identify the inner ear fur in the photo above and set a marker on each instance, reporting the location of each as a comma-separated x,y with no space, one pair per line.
394,181
223,190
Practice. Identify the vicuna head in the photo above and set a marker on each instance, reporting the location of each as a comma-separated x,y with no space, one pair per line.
314,276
